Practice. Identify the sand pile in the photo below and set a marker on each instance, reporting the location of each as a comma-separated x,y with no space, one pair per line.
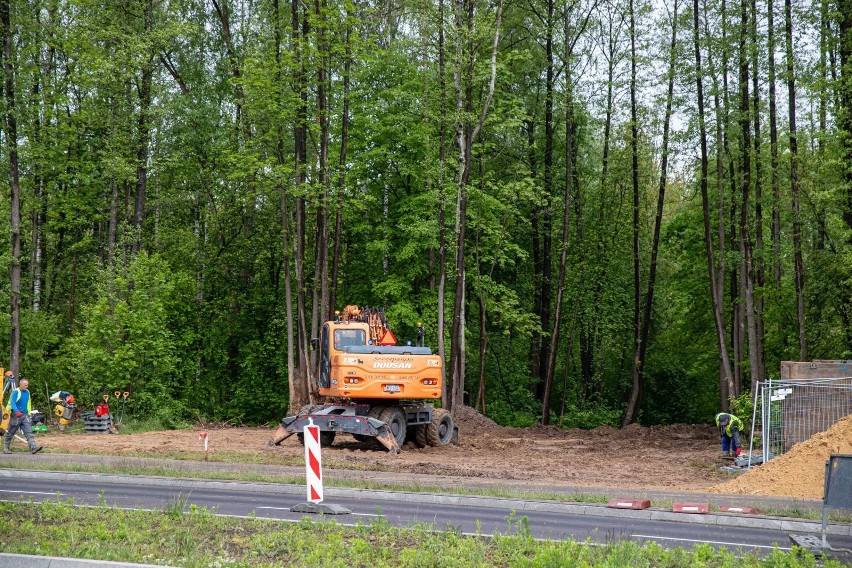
798,473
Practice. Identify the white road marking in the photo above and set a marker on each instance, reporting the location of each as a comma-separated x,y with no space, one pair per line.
653,537
31,492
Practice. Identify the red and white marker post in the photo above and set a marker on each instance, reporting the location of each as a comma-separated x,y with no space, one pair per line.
313,476
203,437
313,463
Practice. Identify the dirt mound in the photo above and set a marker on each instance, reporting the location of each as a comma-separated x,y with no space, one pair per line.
467,418
674,457
686,432
798,473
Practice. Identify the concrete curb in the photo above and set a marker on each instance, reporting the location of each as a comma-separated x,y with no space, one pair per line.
8,560
726,519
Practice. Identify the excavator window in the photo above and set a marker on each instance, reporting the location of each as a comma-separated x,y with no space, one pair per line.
324,379
349,338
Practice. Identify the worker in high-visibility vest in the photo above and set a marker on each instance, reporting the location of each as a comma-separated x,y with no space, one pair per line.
21,407
729,430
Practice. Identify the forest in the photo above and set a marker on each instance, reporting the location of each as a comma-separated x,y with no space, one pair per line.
602,211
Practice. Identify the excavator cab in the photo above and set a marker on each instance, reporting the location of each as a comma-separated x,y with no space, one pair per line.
337,339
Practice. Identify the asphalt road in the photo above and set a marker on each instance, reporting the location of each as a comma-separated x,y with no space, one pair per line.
481,515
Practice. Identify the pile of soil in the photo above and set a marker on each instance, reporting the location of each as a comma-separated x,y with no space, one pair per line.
681,456
798,473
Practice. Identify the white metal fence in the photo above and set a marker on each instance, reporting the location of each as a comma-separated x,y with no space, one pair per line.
791,411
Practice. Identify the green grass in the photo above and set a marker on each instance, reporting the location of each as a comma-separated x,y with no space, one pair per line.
198,538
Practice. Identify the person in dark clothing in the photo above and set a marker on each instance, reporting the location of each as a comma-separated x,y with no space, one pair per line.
20,407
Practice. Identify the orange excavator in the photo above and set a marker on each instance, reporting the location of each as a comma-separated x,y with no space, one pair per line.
373,388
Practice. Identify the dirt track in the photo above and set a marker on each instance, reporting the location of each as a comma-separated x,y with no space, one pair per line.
683,457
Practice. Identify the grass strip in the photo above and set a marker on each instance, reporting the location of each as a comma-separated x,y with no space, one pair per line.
247,476
200,538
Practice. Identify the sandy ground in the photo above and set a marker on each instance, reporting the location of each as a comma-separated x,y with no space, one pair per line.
797,473
676,457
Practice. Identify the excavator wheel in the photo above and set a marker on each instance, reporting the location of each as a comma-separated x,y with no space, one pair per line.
395,420
440,431
420,436
326,438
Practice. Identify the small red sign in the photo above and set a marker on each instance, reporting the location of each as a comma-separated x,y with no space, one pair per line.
388,338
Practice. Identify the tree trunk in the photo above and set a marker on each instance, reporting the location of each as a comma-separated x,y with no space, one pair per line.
773,160
319,305
547,213
845,114
11,137
465,138
535,238
144,125
705,201
745,169
570,145
794,183
341,179
844,123
304,381
721,153
759,263
658,219
483,346
286,245
442,223
635,393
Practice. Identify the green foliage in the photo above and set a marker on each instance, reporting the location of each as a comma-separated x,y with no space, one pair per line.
127,342
591,418
743,406
185,306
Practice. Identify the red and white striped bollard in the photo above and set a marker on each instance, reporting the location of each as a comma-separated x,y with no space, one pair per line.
313,462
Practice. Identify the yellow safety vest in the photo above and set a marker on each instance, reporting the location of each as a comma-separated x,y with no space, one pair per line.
16,399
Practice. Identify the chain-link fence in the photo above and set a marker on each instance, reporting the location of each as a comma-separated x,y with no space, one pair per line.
787,412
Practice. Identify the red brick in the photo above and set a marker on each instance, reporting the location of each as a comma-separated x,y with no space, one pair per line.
694,508
629,503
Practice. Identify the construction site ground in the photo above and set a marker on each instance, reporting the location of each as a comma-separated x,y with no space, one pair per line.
666,459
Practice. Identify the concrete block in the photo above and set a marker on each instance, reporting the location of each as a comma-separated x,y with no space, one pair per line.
692,508
629,503
740,510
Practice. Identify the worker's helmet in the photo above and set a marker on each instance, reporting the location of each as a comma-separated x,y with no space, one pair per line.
723,420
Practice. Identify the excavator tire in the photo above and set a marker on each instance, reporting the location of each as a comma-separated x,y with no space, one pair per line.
326,438
440,431
395,420
420,436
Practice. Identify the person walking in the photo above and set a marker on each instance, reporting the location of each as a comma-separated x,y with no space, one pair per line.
20,407
729,430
